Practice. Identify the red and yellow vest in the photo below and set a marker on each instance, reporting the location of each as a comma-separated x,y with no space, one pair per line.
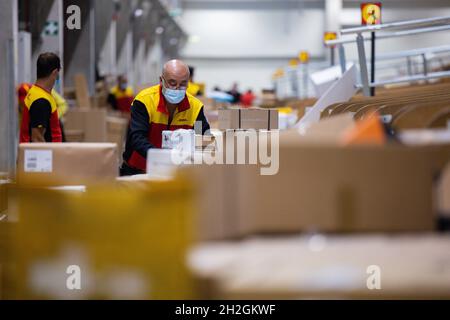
123,98
183,118
36,93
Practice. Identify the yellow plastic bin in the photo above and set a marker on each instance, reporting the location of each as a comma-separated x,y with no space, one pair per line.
104,243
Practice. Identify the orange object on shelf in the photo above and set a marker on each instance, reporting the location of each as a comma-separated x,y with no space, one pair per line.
367,131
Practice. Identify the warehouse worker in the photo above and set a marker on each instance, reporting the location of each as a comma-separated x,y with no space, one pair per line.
22,92
193,88
166,106
121,96
40,122
61,104
247,99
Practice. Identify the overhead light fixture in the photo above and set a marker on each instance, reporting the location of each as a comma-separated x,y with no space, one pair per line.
159,30
138,12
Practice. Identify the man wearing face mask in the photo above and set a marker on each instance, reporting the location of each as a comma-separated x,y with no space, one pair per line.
40,122
121,96
166,106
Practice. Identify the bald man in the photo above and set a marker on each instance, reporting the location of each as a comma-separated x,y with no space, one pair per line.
166,106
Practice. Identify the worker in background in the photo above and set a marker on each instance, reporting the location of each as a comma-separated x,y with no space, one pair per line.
193,88
166,106
40,122
61,104
22,92
235,93
247,98
62,107
121,96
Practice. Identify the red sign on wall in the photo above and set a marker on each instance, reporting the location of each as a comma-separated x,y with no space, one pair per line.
370,13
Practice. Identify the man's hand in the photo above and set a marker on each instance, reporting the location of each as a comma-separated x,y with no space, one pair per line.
37,134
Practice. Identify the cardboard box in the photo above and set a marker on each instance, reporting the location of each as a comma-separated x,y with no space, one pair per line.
217,185
205,142
323,187
326,267
215,201
444,193
67,163
116,130
335,189
91,122
252,118
74,135
433,137
81,91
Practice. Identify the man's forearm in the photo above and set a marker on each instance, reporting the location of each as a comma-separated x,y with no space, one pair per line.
37,134
139,128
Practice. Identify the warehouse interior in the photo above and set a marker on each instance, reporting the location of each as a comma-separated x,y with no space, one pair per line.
308,156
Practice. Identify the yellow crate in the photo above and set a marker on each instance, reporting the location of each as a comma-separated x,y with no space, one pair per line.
127,242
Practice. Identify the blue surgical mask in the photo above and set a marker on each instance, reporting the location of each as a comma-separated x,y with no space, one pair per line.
173,96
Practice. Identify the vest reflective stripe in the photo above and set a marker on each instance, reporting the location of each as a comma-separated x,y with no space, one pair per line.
183,118
36,93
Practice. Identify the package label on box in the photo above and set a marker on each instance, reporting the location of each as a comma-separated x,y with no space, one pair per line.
38,161
163,162
179,139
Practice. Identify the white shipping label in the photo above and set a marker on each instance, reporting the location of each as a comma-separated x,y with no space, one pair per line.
38,161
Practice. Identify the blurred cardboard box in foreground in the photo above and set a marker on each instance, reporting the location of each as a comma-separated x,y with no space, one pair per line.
326,267
67,163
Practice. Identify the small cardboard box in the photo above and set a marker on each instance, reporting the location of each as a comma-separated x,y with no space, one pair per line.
116,130
67,163
253,118
91,122
204,142
74,135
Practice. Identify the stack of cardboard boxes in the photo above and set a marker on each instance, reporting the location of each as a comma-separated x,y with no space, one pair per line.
316,184
243,119
357,207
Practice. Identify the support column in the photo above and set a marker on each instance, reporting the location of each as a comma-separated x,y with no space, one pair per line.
79,46
107,63
333,9
8,82
125,61
51,38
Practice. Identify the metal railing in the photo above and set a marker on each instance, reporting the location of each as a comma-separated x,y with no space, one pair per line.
414,27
